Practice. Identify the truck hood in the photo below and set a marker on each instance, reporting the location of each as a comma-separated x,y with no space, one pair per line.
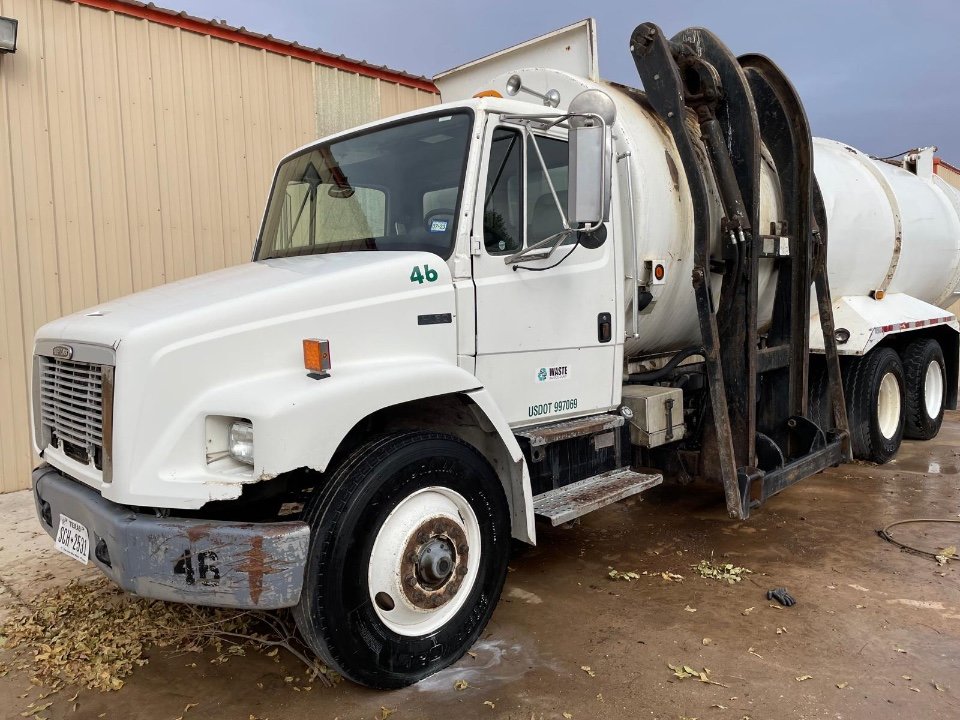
190,355
249,293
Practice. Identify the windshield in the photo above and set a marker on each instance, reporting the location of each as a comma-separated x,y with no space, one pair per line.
391,188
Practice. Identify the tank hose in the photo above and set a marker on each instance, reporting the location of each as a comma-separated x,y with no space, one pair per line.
660,373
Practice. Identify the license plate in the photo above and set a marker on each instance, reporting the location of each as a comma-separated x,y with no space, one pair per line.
73,539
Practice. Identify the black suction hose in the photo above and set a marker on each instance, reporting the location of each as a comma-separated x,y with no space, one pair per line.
661,373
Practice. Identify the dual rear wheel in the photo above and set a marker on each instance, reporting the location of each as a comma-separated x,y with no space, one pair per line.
891,396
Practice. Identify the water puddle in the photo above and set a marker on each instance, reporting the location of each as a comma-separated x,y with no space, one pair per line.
926,465
497,661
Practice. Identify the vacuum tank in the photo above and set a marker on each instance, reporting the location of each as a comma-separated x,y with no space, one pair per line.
890,230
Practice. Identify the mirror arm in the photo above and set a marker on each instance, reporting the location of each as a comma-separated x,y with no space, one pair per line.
529,253
554,241
546,174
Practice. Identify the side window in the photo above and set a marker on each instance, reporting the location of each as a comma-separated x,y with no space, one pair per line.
503,201
543,217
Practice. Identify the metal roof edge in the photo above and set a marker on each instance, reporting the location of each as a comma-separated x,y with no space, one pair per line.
940,161
242,36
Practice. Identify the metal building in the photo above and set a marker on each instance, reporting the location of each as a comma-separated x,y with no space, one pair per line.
136,147
948,172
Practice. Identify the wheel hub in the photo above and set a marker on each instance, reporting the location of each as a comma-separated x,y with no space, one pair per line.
434,563
424,561
888,405
933,390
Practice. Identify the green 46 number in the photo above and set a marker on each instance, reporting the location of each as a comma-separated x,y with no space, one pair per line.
418,275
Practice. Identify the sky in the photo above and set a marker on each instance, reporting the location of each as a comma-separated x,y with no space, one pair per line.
881,75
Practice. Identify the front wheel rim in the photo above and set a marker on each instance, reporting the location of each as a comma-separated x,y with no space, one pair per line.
424,561
888,405
933,389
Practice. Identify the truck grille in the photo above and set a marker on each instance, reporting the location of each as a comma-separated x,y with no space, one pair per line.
71,408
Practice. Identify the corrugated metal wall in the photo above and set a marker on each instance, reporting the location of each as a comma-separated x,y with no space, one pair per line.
948,173
133,154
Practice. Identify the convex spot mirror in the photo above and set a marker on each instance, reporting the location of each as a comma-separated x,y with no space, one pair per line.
593,113
593,240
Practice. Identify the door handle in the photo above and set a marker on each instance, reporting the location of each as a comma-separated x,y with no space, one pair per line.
604,327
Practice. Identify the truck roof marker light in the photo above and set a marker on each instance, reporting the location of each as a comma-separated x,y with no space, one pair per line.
488,93
316,357
658,272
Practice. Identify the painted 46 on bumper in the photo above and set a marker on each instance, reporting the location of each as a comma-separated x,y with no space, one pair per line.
202,562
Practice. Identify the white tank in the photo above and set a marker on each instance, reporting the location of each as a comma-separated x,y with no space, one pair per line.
890,230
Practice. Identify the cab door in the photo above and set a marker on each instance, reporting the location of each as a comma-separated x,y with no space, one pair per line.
549,342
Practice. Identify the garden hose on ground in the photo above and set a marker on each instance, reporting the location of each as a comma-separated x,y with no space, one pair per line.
885,534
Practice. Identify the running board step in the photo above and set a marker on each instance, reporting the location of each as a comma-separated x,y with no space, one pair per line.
571,501
567,429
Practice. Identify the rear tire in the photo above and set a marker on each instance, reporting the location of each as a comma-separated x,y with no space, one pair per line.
925,388
876,410
819,406
408,553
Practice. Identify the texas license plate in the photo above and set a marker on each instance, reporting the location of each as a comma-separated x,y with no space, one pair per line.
73,539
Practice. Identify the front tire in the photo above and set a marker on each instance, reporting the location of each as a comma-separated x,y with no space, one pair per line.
926,388
874,390
408,556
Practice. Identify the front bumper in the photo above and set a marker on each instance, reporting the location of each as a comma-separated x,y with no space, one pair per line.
202,562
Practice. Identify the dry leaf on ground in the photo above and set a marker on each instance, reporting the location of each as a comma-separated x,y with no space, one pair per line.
725,572
946,554
685,671
94,635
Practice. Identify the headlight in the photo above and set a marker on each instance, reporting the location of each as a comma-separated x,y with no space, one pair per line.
241,442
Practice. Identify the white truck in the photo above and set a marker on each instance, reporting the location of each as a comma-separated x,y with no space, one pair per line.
532,300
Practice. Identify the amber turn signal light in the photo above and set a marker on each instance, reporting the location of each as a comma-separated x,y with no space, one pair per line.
316,355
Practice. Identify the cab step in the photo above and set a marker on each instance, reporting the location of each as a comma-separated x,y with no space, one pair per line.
571,501
540,435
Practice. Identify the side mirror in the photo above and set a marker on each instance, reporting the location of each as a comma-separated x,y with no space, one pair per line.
591,158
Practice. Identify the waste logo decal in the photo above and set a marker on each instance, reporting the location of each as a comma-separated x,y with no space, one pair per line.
548,374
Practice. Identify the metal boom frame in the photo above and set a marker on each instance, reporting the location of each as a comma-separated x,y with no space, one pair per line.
757,427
